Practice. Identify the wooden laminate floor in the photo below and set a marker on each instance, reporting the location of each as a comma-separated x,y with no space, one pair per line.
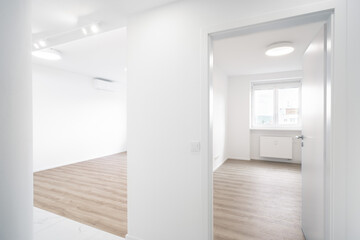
257,200
253,200
92,192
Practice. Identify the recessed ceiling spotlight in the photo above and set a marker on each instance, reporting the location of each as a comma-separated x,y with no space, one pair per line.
48,54
84,30
279,49
94,28
42,43
36,45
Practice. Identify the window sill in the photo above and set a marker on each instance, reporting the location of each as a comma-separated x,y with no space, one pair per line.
276,129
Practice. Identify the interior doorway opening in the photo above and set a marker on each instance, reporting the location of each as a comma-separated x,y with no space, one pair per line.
80,135
262,129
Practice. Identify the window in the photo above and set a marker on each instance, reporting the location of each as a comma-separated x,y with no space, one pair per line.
264,110
276,105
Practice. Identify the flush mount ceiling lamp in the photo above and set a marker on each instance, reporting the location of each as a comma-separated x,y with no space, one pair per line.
48,54
279,49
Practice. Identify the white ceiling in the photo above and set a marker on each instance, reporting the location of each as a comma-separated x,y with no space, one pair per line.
245,55
53,16
102,55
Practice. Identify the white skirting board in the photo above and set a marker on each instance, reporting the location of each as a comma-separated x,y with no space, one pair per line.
240,158
128,237
217,165
77,161
291,161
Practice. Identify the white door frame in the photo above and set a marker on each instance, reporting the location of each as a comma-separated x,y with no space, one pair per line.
324,12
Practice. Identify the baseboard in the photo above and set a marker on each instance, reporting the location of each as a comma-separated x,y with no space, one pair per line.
57,165
124,150
128,237
258,158
240,158
219,165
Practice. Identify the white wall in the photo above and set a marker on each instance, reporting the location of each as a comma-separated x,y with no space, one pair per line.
220,117
167,109
239,119
16,194
73,121
353,126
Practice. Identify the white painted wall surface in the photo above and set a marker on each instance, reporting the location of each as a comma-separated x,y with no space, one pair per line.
73,121
220,117
353,126
16,194
239,119
167,110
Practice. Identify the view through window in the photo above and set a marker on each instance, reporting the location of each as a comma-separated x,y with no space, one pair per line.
276,105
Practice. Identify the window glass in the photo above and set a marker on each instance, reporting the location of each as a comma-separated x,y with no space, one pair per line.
264,107
288,106
276,105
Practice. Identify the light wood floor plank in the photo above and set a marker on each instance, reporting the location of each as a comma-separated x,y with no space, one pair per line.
257,200
92,192
253,200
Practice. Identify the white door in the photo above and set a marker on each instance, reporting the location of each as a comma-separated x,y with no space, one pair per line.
313,151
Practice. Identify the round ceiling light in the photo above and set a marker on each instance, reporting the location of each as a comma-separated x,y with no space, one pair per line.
48,54
279,49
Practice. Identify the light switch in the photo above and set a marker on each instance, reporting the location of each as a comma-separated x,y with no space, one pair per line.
195,147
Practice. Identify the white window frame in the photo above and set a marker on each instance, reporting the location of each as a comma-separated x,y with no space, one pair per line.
275,85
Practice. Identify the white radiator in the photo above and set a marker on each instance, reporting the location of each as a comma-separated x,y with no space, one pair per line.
276,147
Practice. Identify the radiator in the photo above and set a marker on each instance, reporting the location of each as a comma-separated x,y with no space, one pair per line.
276,147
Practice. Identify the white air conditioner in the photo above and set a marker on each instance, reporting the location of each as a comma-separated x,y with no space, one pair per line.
105,84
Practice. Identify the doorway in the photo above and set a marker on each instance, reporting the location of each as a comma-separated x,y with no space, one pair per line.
244,140
79,129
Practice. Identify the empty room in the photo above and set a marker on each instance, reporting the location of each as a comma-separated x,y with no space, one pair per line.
79,122
268,93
